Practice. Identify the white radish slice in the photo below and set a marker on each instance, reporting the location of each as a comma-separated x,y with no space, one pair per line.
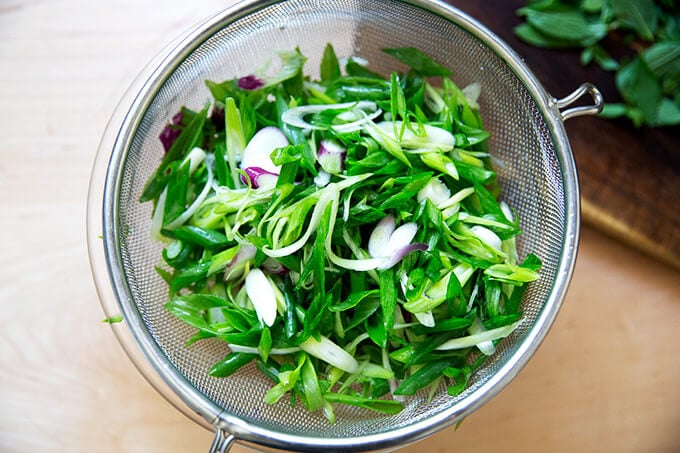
380,237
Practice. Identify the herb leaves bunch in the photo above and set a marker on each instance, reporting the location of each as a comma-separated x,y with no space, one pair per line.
344,234
645,32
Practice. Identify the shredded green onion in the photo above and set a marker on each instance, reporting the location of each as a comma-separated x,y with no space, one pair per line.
345,234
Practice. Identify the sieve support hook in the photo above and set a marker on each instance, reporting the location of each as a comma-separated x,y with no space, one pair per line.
222,442
585,88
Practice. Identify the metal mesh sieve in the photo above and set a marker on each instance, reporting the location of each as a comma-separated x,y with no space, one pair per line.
534,164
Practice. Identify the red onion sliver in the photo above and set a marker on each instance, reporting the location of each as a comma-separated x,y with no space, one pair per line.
250,82
258,177
390,261
274,267
171,131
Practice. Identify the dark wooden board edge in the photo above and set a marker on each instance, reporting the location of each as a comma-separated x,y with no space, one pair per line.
629,177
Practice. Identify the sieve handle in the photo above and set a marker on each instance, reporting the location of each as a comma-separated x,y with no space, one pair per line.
222,442
585,88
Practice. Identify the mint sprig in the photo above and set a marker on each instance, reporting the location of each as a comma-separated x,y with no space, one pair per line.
646,74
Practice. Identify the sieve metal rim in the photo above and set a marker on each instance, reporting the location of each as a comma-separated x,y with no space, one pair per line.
114,292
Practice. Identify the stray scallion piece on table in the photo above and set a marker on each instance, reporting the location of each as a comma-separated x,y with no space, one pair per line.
343,233
115,319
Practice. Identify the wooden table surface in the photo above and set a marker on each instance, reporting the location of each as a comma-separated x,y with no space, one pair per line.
605,380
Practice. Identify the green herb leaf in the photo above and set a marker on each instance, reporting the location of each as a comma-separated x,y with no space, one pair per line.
569,26
638,15
418,61
330,68
602,58
647,75
291,66
355,69
663,59
221,91
287,154
592,6
640,87
531,35
614,110
668,113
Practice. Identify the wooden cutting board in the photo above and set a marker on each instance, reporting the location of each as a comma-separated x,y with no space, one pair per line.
629,177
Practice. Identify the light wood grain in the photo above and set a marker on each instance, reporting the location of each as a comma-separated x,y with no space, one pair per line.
606,378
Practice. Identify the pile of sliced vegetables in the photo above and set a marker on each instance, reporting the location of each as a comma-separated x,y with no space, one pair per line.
342,233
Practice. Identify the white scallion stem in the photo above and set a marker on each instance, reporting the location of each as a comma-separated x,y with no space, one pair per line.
435,191
486,347
456,197
487,236
433,99
157,219
369,369
331,353
262,296
357,124
295,116
351,347
473,295
359,253
195,157
434,138
463,272
473,340
253,350
322,179
380,237
400,238
235,139
471,93
425,318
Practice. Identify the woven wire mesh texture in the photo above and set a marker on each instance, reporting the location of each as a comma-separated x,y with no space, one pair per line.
530,174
